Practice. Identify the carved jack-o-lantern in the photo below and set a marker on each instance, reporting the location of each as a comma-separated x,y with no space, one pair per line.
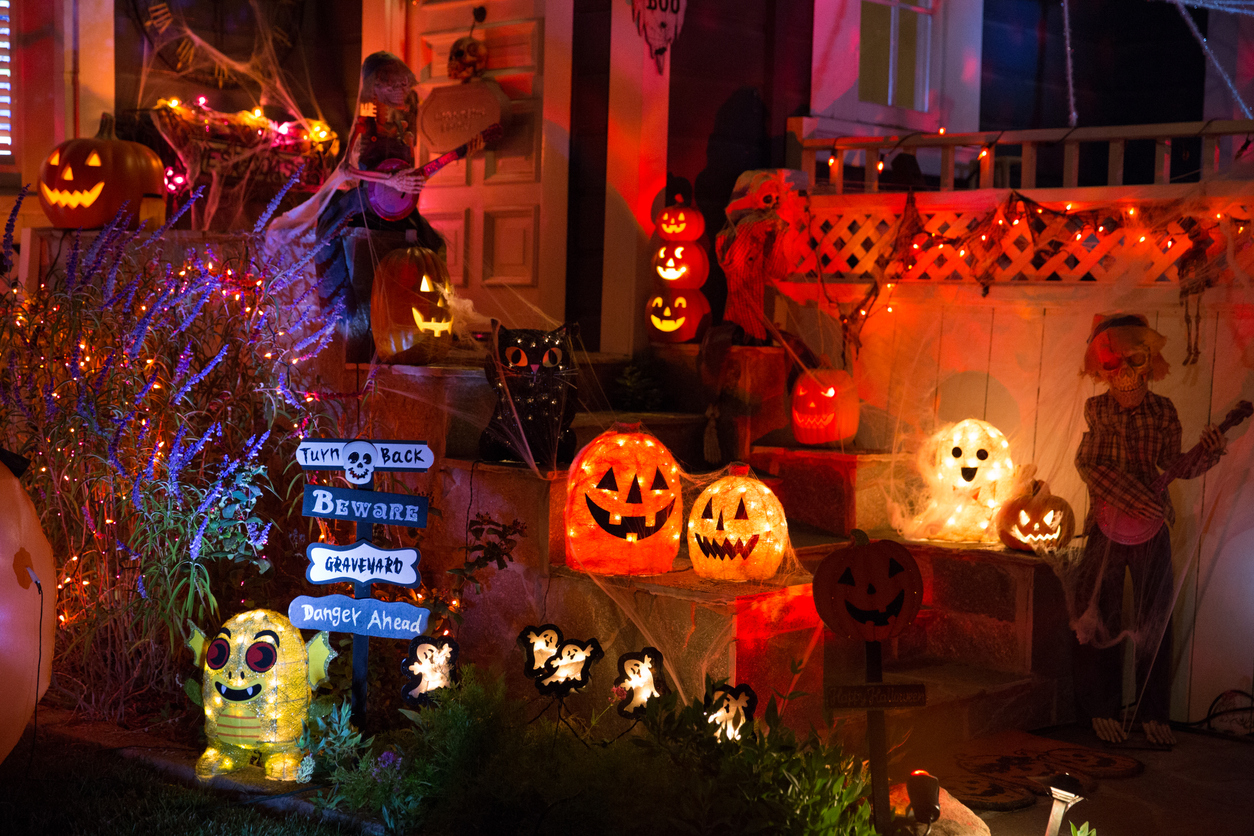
681,264
824,407
1036,521
677,316
737,530
624,505
85,182
409,315
680,223
868,591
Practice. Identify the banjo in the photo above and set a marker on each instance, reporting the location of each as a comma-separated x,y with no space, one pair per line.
1128,530
393,204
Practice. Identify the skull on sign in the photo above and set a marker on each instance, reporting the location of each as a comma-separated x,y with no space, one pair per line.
1125,354
360,458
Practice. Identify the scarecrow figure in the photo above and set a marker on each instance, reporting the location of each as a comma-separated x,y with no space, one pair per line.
1131,434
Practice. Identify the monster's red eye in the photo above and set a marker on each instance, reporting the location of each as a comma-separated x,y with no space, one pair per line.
261,656
218,653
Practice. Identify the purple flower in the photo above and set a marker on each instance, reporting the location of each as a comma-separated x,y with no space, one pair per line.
139,586
388,762
199,376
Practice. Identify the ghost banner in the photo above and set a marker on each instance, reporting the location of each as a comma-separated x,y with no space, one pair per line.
331,503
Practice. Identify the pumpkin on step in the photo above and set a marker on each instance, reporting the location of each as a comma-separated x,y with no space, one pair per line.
737,530
409,315
85,182
869,590
824,406
678,316
624,505
1036,521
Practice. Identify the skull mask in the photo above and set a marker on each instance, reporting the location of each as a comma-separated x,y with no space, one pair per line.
1125,354
467,59
360,458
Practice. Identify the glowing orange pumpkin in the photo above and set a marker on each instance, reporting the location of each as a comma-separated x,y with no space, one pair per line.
681,264
868,590
624,505
409,317
824,407
1036,521
84,183
680,223
677,316
737,530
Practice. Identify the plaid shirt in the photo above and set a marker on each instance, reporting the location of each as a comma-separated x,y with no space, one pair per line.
1120,455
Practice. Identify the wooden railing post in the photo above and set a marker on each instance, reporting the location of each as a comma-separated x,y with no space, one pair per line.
987,155
1027,168
1162,162
1210,157
1114,163
1070,164
947,168
872,176
836,171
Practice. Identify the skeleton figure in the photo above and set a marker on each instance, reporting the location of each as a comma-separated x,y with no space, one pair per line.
659,22
1131,434
360,459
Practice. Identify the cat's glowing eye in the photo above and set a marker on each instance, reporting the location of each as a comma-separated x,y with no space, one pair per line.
516,357
552,357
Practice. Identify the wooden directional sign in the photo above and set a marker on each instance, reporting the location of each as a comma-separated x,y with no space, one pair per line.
877,696
362,616
365,506
361,563
325,454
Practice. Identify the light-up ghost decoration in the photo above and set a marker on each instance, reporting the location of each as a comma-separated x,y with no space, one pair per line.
569,669
731,709
969,473
431,664
641,676
258,675
538,644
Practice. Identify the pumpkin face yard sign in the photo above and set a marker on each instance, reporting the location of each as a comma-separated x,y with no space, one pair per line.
868,591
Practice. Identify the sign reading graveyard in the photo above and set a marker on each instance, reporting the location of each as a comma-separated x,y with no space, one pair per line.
361,616
329,454
365,506
361,563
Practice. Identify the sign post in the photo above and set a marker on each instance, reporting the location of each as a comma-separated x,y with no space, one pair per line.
362,564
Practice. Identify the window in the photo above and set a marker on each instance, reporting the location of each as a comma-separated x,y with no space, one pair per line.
894,54
6,83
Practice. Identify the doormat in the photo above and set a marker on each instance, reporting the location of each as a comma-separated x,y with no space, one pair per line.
999,772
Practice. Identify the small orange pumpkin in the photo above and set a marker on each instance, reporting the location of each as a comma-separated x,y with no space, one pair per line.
737,530
824,406
624,505
681,264
680,223
868,590
409,317
85,182
677,316
1036,521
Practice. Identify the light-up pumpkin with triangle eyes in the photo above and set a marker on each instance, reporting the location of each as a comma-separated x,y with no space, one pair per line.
677,316
624,505
869,590
737,530
824,406
680,223
681,264
85,182
1036,521
409,314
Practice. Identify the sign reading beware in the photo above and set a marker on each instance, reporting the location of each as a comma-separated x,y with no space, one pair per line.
326,454
361,563
362,616
365,506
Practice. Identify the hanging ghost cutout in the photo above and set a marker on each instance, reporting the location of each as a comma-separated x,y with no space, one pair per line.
569,669
658,22
641,679
431,663
538,644
733,707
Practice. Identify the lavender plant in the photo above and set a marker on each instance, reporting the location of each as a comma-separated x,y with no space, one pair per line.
153,383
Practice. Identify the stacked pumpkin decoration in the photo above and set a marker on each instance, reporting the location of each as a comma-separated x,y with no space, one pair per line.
868,591
824,407
84,183
624,505
677,310
409,314
1036,521
736,529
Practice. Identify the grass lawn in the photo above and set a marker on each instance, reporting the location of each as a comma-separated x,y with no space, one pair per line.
69,788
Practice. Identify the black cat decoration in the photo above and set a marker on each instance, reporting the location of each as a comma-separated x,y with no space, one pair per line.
536,382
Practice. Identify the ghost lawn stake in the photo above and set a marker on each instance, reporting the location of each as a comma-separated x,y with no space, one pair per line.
872,591
363,565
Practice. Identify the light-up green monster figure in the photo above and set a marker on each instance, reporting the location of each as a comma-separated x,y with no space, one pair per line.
258,676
